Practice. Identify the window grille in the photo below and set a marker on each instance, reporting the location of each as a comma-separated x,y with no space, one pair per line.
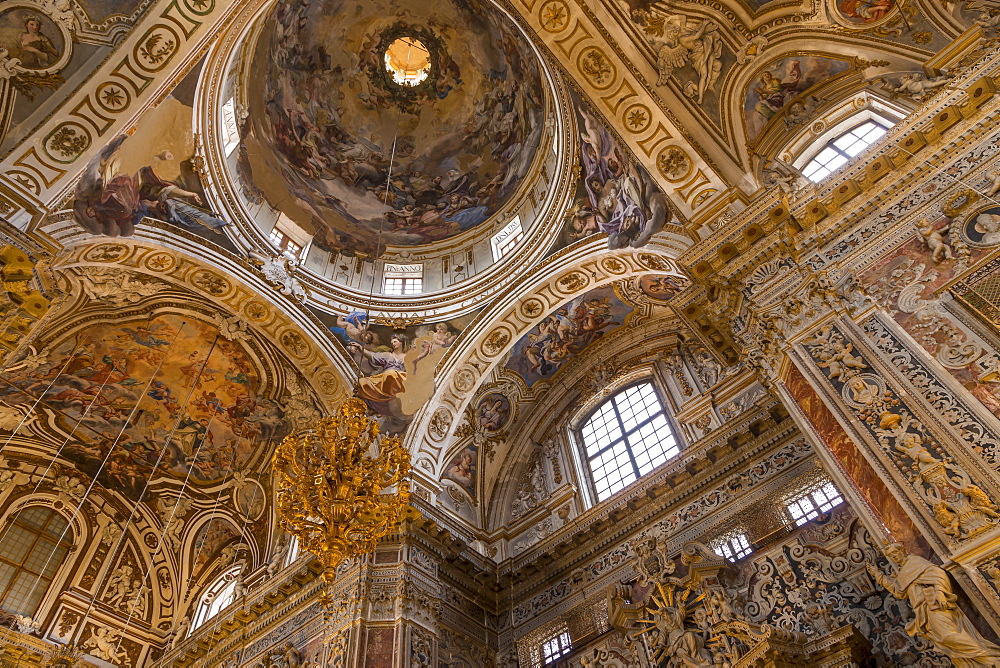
809,506
733,547
32,549
219,595
556,646
842,148
627,437
402,279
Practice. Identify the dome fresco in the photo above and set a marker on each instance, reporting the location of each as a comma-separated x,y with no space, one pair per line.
325,110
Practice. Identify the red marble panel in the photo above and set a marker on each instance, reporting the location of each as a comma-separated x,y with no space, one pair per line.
866,479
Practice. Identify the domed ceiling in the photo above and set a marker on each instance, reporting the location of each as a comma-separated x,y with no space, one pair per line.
333,83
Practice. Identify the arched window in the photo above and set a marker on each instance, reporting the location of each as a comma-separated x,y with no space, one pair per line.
837,151
219,594
627,437
32,549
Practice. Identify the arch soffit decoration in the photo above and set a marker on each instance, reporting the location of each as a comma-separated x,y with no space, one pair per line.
553,416
485,344
786,34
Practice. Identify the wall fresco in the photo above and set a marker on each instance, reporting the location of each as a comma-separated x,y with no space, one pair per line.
662,288
615,195
493,412
781,82
209,539
691,53
865,12
150,173
397,366
462,470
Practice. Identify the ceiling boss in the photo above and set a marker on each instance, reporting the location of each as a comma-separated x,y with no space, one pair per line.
332,480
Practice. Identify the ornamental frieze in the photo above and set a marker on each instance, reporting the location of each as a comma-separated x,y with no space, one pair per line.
950,494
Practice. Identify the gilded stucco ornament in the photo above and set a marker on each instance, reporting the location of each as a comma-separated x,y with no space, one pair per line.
958,504
917,86
937,616
279,272
940,250
331,489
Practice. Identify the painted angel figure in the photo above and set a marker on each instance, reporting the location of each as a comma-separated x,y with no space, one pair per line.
694,43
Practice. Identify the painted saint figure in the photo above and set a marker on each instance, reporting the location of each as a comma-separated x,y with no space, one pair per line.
383,386
112,203
866,11
36,51
774,93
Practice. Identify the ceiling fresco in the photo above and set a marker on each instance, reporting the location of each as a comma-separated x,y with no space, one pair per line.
566,333
41,61
779,85
150,173
163,394
101,10
615,195
326,112
397,364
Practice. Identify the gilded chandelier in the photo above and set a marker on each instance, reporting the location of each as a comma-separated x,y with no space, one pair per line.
330,483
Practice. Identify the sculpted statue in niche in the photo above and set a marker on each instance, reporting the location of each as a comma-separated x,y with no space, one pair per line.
833,353
709,371
994,186
27,625
988,19
285,656
936,615
120,587
70,488
106,644
777,174
277,560
532,487
959,505
180,631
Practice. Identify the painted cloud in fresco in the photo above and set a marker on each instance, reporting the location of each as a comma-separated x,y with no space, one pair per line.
327,115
